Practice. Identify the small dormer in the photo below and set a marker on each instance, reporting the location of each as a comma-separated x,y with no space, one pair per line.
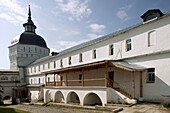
151,14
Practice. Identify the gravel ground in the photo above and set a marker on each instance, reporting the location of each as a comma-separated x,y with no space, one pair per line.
142,108
43,109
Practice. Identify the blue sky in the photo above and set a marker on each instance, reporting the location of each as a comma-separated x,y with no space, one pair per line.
65,23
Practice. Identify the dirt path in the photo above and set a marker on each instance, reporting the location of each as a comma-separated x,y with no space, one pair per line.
42,109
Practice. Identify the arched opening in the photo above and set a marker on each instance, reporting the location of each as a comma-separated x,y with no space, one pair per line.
73,98
92,99
59,98
47,96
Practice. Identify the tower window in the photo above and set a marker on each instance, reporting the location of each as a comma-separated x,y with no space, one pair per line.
29,49
111,49
80,57
24,49
69,60
128,45
94,54
35,50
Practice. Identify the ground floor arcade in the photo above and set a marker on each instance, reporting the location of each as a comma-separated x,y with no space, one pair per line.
95,83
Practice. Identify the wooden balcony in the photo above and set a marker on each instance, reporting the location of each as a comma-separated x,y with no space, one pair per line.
90,83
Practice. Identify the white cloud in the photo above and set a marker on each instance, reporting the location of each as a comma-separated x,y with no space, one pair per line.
93,36
61,45
70,19
12,11
76,8
97,28
122,13
52,29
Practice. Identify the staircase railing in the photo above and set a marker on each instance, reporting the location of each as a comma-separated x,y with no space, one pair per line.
120,88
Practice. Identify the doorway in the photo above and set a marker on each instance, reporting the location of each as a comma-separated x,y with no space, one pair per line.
111,78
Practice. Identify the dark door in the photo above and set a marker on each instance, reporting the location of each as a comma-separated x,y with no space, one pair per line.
61,79
111,78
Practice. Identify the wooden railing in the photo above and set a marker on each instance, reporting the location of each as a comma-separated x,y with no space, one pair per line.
85,82
121,88
94,82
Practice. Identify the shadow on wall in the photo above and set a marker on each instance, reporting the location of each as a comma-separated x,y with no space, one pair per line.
160,91
73,98
92,99
59,98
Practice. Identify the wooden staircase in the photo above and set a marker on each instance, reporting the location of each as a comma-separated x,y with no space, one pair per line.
121,88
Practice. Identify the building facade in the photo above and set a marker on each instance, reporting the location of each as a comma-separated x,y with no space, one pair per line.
128,65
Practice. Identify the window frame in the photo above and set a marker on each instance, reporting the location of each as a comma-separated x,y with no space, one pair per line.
111,49
80,57
69,60
128,44
150,76
94,54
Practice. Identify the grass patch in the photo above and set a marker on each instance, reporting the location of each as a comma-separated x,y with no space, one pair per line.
41,101
4,109
166,105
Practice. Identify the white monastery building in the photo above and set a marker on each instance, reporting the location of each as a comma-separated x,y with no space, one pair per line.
132,64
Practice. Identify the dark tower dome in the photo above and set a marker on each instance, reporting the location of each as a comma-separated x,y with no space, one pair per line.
29,36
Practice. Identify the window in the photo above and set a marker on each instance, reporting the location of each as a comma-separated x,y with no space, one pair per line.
4,78
48,79
128,45
29,49
80,77
61,63
80,57
24,49
69,60
31,81
35,50
151,38
111,49
39,67
31,70
39,80
48,65
34,69
26,55
150,75
94,54
54,64
43,66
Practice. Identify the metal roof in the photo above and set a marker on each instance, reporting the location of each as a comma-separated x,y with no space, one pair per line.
97,40
127,66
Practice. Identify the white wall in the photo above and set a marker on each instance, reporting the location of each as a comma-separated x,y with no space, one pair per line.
139,37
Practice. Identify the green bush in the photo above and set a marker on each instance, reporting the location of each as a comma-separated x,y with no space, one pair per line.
167,105
118,102
125,103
